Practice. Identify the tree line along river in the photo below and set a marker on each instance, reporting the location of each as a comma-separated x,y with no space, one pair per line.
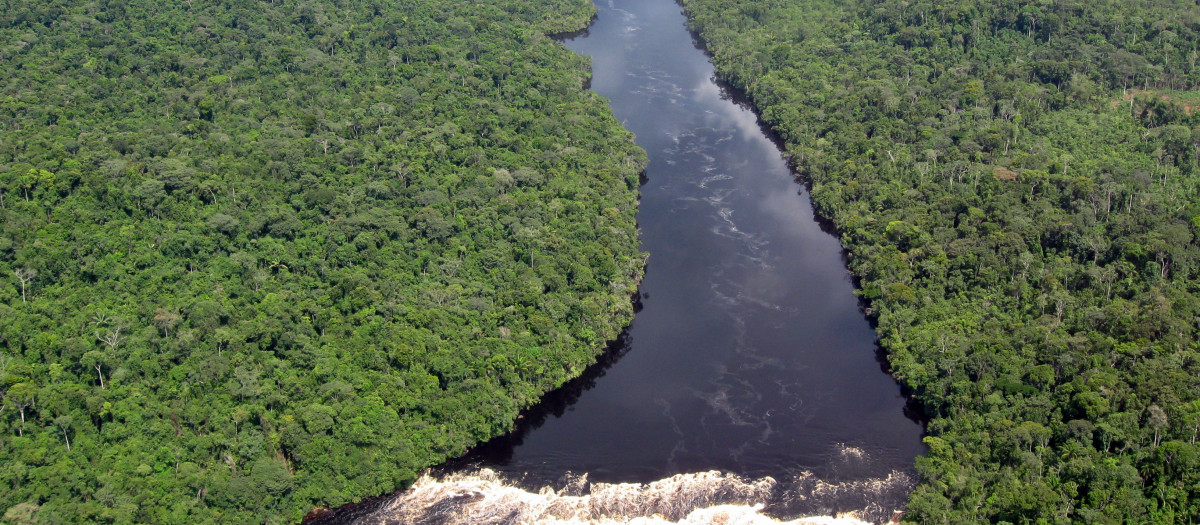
749,354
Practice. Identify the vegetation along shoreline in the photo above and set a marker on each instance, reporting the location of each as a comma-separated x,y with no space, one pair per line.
256,252
1028,249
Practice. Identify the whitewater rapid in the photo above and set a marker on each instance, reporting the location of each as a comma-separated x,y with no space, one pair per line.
747,390
485,497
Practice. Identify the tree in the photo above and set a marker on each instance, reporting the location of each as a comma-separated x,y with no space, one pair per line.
22,513
25,276
1088,213
166,320
63,423
111,338
253,248
96,359
21,396
1192,409
1157,419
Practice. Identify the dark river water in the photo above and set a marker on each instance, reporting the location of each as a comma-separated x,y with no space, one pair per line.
749,354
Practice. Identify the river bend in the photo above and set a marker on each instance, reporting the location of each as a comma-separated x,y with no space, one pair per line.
749,355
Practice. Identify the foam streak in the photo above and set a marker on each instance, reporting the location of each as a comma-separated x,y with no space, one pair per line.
485,498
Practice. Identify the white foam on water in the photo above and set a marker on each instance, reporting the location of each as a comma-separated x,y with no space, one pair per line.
807,487
848,452
485,498
704,182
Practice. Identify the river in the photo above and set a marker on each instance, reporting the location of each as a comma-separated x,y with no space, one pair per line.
749,354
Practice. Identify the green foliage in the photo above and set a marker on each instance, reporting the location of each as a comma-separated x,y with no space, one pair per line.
1017,185
259,257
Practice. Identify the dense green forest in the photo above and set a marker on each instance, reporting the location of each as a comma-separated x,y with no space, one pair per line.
1017,185
257,257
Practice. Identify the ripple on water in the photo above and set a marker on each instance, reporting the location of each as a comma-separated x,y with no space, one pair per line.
485,497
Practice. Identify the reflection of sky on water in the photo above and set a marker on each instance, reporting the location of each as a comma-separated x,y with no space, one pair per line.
750,354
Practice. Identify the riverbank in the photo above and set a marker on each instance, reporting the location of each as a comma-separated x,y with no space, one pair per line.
996,216
749,354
